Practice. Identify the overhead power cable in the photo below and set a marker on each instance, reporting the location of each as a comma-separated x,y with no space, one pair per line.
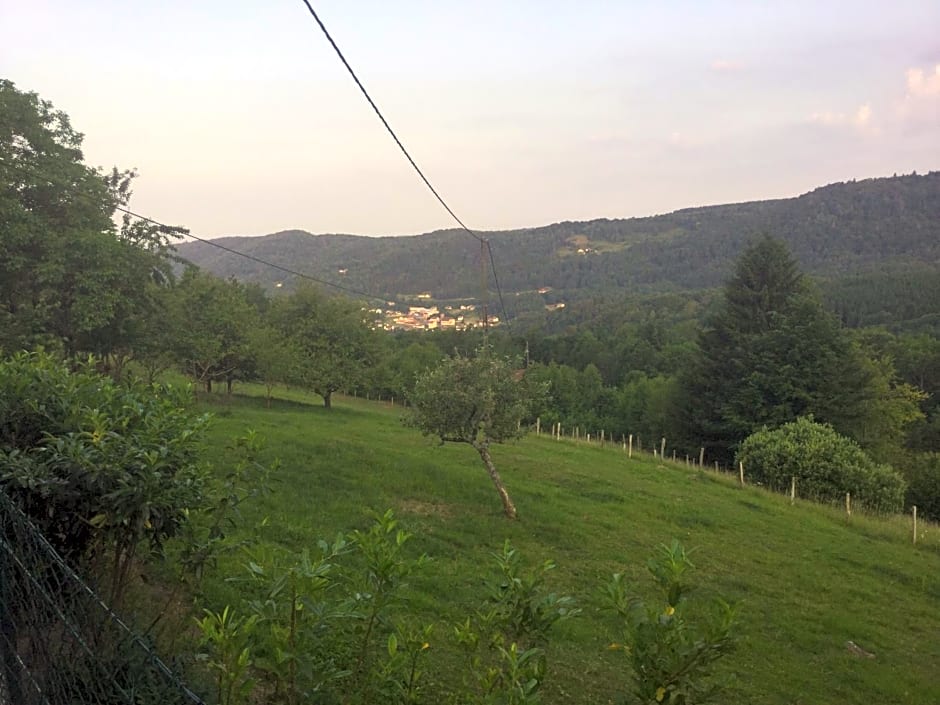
27,170
404,151
499,290
287,270
385,122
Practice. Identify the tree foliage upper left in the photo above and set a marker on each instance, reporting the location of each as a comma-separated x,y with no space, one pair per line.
70,277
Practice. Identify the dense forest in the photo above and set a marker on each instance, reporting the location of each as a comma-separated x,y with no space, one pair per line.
880,227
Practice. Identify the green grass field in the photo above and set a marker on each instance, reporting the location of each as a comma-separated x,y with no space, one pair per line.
807,578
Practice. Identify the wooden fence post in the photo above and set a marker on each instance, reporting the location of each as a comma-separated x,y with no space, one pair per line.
662,448
914,508
848,503
716,466
602,437
673,455
701,457
630,447
792,489
741,471
538,425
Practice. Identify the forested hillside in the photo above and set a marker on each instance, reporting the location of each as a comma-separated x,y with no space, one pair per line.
885,226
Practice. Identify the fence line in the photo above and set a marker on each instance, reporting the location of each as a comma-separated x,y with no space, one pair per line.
60,644
629,448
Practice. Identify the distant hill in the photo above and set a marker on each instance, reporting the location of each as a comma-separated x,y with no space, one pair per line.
884,226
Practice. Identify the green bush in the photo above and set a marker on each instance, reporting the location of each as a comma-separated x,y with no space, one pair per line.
825,464
671,649
99,466
923,476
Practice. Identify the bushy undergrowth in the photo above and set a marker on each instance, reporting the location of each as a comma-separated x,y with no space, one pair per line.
826,466
331,625
670,651
923,476
101,467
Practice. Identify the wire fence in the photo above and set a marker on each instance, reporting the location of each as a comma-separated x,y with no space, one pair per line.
60,644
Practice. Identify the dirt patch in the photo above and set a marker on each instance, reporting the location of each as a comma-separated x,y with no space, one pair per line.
427,509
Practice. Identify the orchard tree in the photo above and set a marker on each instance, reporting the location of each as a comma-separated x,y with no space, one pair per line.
475,400
211,320
278,359
334,338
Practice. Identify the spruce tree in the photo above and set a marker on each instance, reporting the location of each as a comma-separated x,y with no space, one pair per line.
770,354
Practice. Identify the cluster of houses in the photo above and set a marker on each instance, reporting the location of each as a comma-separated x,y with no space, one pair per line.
440,317
461,317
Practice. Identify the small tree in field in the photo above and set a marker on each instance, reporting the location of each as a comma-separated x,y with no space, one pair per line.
475,400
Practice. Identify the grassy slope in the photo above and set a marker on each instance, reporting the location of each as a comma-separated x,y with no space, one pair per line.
807,579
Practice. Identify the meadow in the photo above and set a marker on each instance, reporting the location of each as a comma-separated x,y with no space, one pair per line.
807,579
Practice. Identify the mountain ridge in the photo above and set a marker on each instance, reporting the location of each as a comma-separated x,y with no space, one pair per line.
834,230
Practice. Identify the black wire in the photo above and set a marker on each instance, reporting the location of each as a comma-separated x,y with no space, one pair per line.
385,122
404,151
499,291
293,272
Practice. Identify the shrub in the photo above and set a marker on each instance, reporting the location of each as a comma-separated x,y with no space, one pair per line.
825,464
923,476
671,649
98,465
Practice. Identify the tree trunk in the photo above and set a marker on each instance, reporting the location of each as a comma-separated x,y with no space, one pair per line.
228,385
484,450
208,385
328,399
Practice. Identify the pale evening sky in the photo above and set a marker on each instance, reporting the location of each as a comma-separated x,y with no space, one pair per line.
242,121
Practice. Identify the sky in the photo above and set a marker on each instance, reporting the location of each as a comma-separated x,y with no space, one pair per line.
241,120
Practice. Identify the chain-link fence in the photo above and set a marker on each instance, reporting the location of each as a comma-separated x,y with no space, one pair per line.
60,644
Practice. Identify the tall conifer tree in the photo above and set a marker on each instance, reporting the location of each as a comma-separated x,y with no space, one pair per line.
770,354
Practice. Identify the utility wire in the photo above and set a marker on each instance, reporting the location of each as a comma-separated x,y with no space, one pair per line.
499,291
385,122
24,169
404,151
293,272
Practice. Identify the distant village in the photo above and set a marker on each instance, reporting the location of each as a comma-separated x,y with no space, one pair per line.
440,316
433,317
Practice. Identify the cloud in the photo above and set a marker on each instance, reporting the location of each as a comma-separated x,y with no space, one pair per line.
683,140
862,116
919,109
860,120
916,107
923,84
725,66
